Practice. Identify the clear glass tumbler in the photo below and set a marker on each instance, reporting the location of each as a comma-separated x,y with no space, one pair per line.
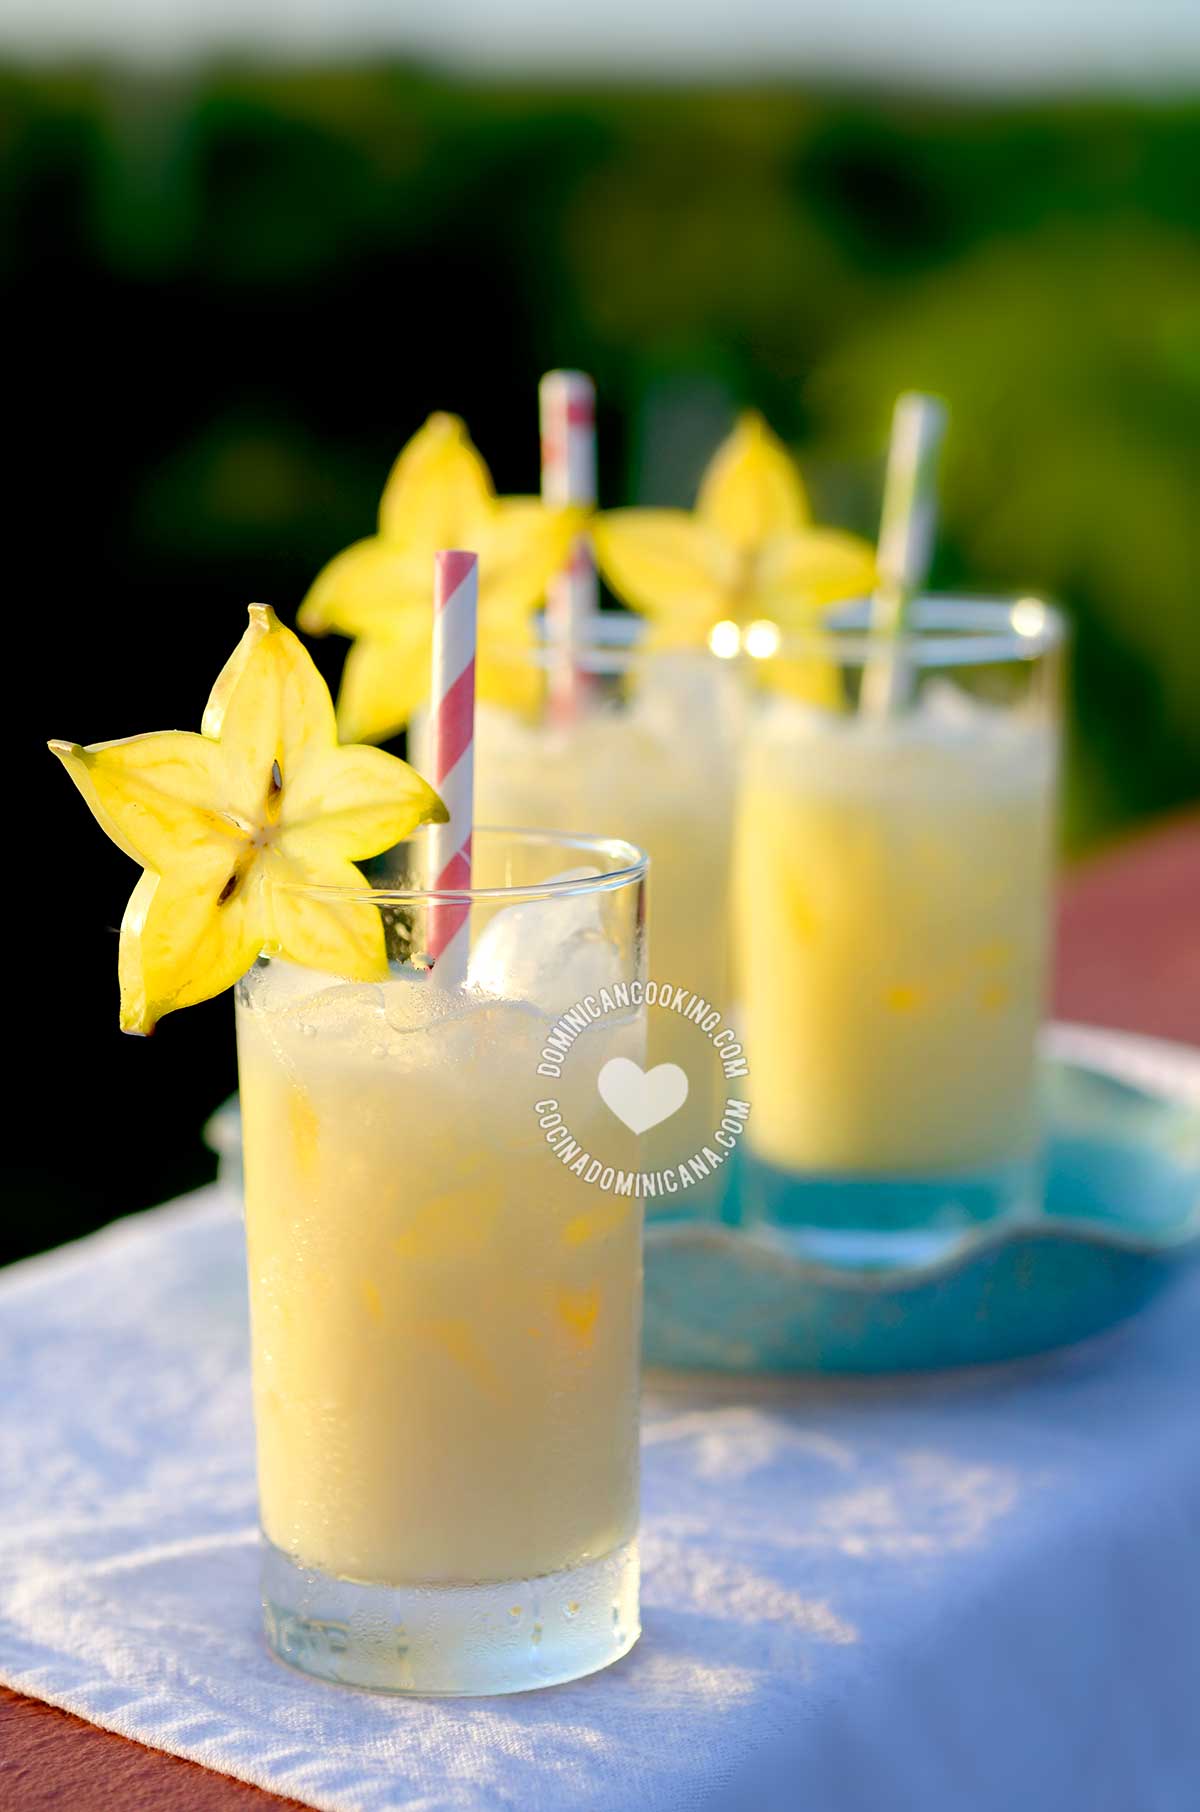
650,752
445,1301
893,868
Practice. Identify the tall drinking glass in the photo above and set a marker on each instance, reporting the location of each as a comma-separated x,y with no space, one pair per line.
893,870
445,1311
651,752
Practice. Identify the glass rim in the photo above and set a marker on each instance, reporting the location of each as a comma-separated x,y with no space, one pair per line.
941,629
634,865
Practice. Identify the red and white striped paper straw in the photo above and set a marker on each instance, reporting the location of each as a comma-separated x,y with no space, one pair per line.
567,408
452,755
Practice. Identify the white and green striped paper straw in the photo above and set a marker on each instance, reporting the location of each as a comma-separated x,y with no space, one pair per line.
906,537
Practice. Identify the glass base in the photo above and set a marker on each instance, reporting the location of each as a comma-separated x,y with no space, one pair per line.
452,1640
870,1220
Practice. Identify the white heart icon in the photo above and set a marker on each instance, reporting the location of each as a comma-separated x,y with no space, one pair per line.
642,1098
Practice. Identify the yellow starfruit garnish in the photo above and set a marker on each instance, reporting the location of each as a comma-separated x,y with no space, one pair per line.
229,824
749,552
378,591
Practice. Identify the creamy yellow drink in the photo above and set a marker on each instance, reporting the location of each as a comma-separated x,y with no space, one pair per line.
445,1319
445,1287
443,1224
892,880
655,767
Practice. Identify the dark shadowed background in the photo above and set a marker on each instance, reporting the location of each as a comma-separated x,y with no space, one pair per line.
230,293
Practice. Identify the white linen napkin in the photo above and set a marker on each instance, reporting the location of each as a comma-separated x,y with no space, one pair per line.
974,1590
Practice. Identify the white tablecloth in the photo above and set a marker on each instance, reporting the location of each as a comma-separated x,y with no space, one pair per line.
971,1591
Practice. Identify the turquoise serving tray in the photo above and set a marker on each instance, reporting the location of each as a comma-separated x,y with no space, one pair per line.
1121,1211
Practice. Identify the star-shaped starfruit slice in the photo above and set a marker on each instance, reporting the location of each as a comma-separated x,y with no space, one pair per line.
749,552
377,591
232,825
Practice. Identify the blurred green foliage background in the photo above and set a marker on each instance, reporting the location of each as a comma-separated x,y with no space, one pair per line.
232,293
329,255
